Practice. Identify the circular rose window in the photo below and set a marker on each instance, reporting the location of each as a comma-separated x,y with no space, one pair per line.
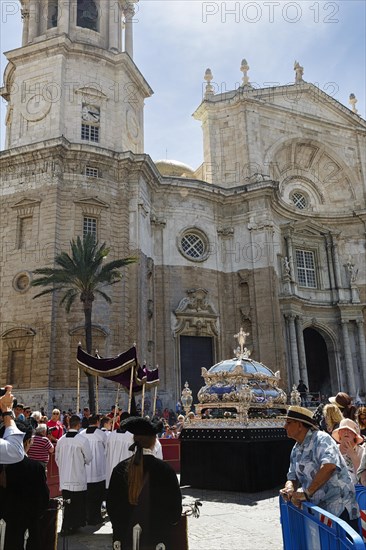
193,244
21,282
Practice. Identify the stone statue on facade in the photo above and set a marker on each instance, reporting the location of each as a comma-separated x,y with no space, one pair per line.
299,71
286,268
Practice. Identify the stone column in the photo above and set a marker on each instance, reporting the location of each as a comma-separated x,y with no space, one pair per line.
337,269
328,246
33,20
362,345
129,13
64,16
301,348
348,359
25,18
293,349
114,26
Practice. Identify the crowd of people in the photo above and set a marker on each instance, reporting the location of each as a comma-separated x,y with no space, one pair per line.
329,456
106,464
112,464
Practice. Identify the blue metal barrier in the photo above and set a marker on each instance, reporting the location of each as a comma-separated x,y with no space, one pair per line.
361,499
312,528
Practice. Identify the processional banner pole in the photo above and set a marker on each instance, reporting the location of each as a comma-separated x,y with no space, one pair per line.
131,388
143,399
155,397
116,407
78,392
97,393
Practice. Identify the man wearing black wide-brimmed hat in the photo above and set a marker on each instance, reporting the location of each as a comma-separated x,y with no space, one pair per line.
317,467
143,490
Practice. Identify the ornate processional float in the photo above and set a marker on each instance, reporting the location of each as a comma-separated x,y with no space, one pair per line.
238,392
235,439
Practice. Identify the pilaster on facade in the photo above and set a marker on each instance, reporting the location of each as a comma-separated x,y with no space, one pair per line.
295,367
301,347
362,348
348,357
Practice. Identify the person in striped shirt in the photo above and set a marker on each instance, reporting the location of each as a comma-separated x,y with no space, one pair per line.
42,447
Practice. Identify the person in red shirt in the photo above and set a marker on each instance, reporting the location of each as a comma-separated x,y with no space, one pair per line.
55,428
42,447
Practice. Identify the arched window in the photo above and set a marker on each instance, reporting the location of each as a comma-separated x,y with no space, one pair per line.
87,14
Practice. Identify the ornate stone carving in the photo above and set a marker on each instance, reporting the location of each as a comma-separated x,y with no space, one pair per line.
195,315
195,301
225,231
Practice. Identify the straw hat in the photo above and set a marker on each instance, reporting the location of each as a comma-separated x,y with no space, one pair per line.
350,425
301,414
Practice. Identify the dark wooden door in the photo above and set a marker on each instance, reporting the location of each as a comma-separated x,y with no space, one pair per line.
195,352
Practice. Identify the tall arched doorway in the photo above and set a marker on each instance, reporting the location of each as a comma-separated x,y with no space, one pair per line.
317,362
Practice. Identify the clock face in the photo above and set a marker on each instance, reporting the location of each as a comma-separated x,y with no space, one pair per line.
90,113
36,108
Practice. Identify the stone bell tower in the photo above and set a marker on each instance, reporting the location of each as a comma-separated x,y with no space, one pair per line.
75,102
74,76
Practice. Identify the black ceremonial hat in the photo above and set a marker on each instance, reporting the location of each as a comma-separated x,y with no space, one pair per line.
139,426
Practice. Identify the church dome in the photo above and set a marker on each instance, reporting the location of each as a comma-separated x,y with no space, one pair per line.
174,168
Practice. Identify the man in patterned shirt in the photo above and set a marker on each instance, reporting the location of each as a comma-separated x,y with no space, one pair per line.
317,466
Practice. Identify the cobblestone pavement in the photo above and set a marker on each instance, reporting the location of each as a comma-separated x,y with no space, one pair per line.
228,521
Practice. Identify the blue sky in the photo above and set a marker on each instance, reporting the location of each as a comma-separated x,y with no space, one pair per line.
175,41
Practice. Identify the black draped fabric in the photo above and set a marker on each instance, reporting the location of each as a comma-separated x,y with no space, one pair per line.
118,369
235,460
26,496
107,366
159,507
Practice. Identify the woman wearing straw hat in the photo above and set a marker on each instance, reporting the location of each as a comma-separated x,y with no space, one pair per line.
350,445
143,490
317,467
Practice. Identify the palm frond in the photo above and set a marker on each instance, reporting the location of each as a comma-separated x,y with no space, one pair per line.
47,291
69,298
104,295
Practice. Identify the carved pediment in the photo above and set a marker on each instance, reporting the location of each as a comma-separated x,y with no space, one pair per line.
92,205
26,206
195,315
306,229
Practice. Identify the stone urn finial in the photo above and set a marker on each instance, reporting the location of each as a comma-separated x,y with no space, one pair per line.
209,88
244,69
352,102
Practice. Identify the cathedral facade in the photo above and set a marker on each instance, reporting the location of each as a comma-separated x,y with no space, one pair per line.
268,234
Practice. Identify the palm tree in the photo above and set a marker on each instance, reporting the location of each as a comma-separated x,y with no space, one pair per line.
83,275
